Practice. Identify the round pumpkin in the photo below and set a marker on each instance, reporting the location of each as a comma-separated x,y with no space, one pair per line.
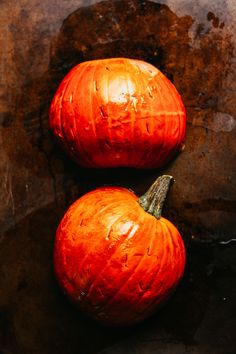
118,112
115,257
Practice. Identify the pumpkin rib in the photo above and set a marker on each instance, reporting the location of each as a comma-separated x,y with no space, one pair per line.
77,120
102,279
96,102
106,263
136,119
155,273
131,135
164,255
140,160
158,295
109,130
83,156
175,255
171,93
163,125
182,119
54,107
109,303
132,111
96,243
172,252
136,317
62,135
68,133
91,116
149,144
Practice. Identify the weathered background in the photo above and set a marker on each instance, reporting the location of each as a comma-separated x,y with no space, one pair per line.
193,43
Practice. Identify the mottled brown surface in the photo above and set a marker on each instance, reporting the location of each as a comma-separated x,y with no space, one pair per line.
193,43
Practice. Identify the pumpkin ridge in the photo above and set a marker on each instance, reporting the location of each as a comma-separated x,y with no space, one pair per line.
126,280
161,140
158,295
108,100
139,299
149,143
176,254
132,130
63,137
62,119
83,151
170,88
140,161
77,208
75,119
98,241
118,244
157,232
91,116
172,254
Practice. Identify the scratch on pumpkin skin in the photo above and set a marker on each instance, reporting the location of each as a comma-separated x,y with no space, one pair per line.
126,260
66,260
140,286
158,113
95,85
147,128
82,222
149,92
108,237
107,144
103,114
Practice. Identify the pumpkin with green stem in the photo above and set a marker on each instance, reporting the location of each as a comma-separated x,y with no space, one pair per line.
116,257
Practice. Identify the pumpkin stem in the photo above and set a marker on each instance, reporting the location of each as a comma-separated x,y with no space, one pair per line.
153,200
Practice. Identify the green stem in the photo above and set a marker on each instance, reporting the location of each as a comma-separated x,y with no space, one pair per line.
153,200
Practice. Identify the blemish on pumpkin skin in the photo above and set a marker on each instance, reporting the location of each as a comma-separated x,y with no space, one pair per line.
138,254
66,260
108,237
107,144
140,286
149,92
82,222
103,113
125,260
95,85
147,128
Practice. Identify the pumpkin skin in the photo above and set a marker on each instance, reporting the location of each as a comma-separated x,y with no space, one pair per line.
114,260
117,113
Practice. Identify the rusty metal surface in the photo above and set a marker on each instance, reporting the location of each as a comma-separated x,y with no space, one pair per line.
193,43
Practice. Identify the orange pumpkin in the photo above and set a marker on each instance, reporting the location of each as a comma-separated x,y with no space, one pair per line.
118,112
116,257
